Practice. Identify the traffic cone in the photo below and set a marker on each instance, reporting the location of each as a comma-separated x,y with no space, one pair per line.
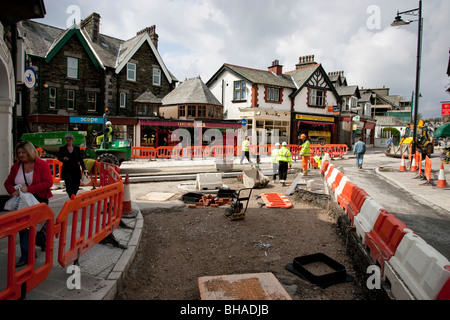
413,164
126,204
442,182
402,165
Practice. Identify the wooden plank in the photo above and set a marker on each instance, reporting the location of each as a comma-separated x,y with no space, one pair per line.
252,286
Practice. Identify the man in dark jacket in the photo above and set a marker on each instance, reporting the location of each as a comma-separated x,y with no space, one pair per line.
359,149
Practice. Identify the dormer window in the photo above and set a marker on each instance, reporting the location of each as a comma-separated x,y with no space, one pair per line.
239,90
131,71
156,77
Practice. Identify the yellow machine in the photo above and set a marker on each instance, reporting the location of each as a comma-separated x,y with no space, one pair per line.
425,143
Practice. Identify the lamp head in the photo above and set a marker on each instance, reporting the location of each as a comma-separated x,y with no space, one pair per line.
399,21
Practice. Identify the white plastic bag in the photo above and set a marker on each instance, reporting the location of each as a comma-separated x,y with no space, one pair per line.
85,180
26,200
12,204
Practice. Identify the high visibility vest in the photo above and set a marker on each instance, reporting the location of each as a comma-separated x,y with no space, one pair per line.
285,155
245,145
306,150
109,134
275,155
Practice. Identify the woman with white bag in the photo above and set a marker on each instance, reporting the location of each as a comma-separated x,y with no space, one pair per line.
36,178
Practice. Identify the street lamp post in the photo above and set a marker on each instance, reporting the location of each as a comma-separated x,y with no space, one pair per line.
400,22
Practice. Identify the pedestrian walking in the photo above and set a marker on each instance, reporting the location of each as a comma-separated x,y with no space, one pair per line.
359,149
284,161
305,152
70,156
35,177
246,149
275,163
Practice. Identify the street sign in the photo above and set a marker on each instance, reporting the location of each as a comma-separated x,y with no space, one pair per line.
446,109
244,122
29,76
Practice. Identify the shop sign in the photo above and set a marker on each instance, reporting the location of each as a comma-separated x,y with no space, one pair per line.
88,120
314,118
446,109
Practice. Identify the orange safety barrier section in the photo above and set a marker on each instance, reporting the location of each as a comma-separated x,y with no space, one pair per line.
276,200
143,153
337,180
352,199
428,168
55,167
384,238
23,281
94,215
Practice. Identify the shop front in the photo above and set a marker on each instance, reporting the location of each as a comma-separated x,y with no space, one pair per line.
319,129
158,133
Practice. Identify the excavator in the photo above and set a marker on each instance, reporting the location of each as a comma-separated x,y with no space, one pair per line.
424,142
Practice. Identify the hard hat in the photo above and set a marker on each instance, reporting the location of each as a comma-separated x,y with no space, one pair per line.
284,143
303,136
108,123
277,144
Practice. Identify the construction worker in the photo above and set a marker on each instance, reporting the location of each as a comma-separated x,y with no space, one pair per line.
305,153
108,132
275,160
284,160
246,149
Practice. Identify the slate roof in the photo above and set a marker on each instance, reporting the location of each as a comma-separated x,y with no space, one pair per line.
148,97
261,76
300,76
348,91
191,91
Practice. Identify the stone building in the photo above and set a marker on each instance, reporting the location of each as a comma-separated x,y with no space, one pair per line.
81,73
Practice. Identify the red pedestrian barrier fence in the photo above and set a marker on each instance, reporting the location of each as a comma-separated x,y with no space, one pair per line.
55,167
92,215
20,282
428,168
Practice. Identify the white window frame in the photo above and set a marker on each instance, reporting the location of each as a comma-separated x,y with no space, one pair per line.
123,100
89,102
72,67
273,94
69,107
316,100
131,71
156,76
239,90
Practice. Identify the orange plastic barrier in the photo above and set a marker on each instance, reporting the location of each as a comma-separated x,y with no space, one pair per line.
276,200
337,180
324,168
428,168
101,211
55,167
384,238
143,153
23,281
352,199
40,152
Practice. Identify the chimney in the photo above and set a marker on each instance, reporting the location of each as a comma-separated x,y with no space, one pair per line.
152,33
305,61
276,68
92,26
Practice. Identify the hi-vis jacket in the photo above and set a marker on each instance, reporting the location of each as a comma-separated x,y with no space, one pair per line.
285,155
245,145
275,155
306,150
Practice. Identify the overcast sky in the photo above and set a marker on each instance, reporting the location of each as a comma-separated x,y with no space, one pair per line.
196,37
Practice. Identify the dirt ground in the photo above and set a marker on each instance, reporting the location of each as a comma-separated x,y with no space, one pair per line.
179,246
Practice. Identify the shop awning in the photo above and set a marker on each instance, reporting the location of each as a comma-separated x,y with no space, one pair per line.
317,124
187,124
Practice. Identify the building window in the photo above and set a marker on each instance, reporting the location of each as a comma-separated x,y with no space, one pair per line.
182,111
191,111
123,100
201,112
156,77
52,98
19,103
70,99
316,98
72,68
239,90
131,71
273,94
92,101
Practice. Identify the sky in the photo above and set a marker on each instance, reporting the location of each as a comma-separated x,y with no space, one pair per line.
196,37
